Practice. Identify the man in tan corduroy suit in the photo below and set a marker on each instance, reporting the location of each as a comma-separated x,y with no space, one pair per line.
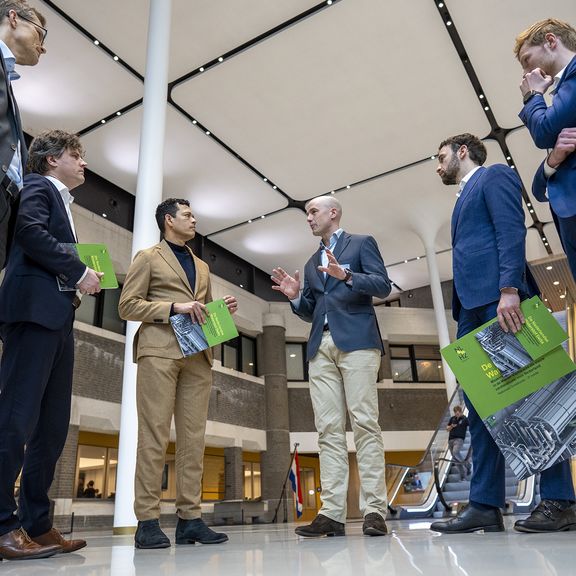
164,280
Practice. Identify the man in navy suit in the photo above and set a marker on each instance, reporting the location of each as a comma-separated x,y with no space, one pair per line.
22,36
344,352
547,54
491,277
36,320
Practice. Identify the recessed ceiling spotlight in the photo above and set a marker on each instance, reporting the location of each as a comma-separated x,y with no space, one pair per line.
405,261
194,122
545,243
544,238
265,179
449,23
433,157
116,58
207,132
562,295
249,221
201,69
332,192
486,108
274,187
528,204
531,211
102,121
220,59
549,267
508,158
262,216
512,166
556,282
118,113
329,2
441,5
481,96
96,43
104,215
348,187
417,257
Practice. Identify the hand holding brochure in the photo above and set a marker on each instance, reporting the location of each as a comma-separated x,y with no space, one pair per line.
95,256
523,386
193,337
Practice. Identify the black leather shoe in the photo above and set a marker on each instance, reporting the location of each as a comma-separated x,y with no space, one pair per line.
471,519
192,531
549,516
321,526
374,525
149,535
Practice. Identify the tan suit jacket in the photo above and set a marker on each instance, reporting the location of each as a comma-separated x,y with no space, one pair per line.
154,282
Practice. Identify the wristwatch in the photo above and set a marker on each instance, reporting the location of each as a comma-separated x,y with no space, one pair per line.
348,274
529,95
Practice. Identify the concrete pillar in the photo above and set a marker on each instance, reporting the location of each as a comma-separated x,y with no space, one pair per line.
62,489
148,196
233,473
439,310
276,459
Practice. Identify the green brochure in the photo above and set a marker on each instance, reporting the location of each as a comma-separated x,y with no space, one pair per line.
193,337
95,256
497,369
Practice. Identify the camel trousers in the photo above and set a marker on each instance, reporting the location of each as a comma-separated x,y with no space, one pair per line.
167,387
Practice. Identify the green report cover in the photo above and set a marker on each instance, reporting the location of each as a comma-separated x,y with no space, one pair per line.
95,256
497,369
193,337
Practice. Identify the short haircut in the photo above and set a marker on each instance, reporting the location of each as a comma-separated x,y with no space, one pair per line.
22,8
476,149
329,200
536,34
457,408
169,206
51,143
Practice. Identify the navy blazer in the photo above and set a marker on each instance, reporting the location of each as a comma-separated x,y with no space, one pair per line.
545,124
488,240
351,315
30,291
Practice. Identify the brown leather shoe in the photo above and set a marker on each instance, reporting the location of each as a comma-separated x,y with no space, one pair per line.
321,526
17,545
54,537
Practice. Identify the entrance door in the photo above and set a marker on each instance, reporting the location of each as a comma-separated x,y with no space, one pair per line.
310,480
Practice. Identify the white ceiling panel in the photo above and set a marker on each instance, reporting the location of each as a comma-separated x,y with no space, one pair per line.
415,274
340,97
221,190
201,30
488,30
282,239
535,249
528,158
69,87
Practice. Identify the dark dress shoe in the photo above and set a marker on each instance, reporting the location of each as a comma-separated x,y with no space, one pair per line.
374,525
54,537
321,526
192,531
149,535
471,519
17,545
549,516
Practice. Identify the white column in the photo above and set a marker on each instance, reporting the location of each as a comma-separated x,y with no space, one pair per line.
148,196
439,311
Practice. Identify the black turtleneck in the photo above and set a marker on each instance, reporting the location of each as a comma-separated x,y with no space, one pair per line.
186,261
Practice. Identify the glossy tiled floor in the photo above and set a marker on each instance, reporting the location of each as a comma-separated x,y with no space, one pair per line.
276,551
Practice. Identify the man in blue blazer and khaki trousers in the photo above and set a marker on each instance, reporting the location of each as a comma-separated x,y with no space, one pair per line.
344,350
547,53
491,277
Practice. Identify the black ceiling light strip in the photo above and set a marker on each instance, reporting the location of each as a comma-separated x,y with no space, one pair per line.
110,117
251,43
497,132
93,39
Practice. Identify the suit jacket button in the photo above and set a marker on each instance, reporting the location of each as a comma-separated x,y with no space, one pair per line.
4,168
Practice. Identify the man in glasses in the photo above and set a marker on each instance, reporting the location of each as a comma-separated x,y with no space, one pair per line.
22,35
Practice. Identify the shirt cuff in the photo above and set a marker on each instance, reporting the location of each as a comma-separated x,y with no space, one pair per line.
83,276
296,301
548,170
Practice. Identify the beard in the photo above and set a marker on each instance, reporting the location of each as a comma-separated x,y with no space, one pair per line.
450,175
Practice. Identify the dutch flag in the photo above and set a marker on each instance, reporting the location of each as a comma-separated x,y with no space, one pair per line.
295,481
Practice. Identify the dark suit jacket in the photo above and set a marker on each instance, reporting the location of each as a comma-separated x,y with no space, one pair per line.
154,281
10,134
351,316
545,124
30,291
488,240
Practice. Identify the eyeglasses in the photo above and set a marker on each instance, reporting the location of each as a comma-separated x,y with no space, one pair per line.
43,32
